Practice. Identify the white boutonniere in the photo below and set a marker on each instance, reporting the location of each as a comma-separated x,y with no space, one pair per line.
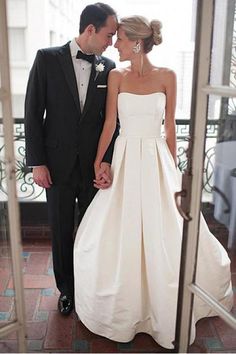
99,69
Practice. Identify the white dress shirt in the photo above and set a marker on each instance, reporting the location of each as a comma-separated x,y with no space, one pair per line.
82,72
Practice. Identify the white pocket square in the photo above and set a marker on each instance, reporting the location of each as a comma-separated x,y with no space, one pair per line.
101,86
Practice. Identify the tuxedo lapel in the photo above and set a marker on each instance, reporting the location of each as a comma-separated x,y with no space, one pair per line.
92,84
91,88
68,69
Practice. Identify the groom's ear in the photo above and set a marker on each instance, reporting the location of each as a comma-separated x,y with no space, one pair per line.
90,29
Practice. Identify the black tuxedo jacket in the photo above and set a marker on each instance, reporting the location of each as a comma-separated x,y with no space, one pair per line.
57,133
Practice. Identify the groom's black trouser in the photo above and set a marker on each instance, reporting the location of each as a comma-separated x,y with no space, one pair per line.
61,200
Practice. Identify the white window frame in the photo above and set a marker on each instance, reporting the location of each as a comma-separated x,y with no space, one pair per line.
193,178
19,323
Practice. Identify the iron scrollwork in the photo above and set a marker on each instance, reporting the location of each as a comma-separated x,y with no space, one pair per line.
28,191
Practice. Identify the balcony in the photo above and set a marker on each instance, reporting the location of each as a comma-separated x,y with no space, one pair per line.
28,192
45,327
47,331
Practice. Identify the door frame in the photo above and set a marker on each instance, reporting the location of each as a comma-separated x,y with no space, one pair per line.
18,324
192,180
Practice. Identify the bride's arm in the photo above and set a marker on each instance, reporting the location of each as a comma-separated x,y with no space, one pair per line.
111,117
170,128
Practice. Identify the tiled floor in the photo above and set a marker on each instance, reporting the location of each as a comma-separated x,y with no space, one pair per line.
47,331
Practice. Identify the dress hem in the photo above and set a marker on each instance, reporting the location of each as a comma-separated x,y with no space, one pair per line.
121,337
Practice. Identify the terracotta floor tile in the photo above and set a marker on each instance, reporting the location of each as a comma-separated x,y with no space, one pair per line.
83,333
35,345
36,330
11,336
37,245
5,303
81,346
4,249
31,302
103,345
32,249
5,275
232,255
125,347
37,242
38,281
204,328
213,344
37,263
35,281
233,278
50,265
229,341
59,332
8,346
226,334
5,263
48,303
50,332
198,346
144,342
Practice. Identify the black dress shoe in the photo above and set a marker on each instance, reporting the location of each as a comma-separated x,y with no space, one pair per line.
65,305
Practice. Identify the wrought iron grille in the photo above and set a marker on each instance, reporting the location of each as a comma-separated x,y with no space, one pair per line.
29,191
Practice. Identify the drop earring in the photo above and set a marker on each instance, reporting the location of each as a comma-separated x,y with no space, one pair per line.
137,48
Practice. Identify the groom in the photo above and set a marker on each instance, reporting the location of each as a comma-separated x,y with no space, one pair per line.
64,116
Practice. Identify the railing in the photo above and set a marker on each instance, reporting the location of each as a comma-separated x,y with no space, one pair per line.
212,131
28,191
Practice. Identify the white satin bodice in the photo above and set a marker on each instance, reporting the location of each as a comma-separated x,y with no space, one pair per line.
141,115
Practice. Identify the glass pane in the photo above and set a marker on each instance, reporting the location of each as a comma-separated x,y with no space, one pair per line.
27,190
7,300
221,166
17,101
17,48
7,293
219,178
223,44
219,210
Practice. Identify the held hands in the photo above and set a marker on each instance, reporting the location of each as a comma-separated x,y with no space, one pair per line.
103,178
42,177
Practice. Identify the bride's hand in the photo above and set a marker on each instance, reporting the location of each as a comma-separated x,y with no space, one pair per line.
97,171
103,178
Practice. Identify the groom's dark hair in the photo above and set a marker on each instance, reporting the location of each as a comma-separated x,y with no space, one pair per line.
95,15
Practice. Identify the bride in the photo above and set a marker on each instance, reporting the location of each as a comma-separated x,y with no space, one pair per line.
127,248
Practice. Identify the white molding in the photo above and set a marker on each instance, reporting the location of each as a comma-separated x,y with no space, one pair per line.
13,208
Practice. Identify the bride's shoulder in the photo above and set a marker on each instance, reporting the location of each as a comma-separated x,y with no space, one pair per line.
119,71
117,74
165,72
115,77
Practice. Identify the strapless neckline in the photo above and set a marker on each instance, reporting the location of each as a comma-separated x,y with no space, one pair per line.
137,94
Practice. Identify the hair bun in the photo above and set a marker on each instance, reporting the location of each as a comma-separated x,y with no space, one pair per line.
156,26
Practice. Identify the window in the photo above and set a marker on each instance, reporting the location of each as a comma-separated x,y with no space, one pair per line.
17,48
52,35
18,106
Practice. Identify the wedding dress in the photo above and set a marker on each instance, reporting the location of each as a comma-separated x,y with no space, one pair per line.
127,248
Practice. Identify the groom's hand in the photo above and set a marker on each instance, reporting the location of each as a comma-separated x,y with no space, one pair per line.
103,176
42,177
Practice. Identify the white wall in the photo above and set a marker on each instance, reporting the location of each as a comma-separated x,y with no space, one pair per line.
35,24
177,48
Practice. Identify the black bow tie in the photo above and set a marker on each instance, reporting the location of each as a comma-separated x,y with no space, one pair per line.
87,57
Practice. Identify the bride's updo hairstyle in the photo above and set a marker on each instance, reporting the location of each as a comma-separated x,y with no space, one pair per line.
138,27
